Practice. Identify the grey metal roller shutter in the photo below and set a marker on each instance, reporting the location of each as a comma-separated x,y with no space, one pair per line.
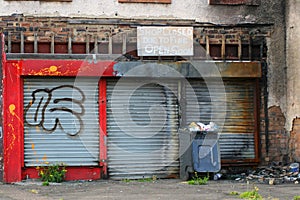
61,121
142,143
237,136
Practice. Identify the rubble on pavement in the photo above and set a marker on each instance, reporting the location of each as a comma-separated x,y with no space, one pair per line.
272,175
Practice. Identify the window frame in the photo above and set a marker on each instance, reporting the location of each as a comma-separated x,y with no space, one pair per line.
233,2
43,0
146,1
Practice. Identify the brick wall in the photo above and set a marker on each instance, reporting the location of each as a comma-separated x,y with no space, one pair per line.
277,149
80,30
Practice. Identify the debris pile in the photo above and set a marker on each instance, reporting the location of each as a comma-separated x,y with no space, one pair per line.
273,174
197,127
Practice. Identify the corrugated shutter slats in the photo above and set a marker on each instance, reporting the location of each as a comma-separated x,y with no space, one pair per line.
74,140
135,148
237,136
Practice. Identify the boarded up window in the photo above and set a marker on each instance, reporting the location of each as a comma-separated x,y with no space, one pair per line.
38,0
144,1
234,2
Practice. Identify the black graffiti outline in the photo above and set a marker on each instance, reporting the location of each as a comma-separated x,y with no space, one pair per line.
44,108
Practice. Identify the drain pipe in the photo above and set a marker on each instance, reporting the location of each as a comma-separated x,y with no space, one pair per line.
266,95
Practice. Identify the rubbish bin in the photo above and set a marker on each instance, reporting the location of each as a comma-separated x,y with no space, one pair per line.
206,152
186,138
199,152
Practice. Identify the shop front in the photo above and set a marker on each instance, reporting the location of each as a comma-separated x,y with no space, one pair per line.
101,123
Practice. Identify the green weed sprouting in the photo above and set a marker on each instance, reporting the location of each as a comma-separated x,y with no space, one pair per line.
52,173
251,195
297,197
196,180
233,193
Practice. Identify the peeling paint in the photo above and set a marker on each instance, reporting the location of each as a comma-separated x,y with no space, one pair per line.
12,108
44,157
52,68
65,68
17,66
11,126
292,58
37,128
11,139
53,71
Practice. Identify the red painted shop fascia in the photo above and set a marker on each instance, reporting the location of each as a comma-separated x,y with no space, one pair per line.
66,68
13,140
73,173
12,122
102,126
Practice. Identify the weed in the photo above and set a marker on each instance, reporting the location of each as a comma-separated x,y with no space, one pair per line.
126,180
196,180
251,195
233,193
153,178
45,183
297,197
145,180
52,173
34,191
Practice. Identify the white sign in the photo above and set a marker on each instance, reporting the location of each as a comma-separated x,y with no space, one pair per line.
165,41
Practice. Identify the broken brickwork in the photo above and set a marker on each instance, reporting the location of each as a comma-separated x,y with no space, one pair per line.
228,42
275,143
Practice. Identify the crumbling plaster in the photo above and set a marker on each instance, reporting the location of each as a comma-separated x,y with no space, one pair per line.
293,61
188,9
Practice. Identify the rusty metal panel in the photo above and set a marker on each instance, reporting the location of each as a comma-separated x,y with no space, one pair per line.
237,146
142,124
237,137
239,69
192,69
61,121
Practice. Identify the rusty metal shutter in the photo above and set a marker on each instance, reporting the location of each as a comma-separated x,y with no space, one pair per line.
142,142
61,121
237,136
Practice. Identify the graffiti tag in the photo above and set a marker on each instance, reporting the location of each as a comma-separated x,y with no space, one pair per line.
53,108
